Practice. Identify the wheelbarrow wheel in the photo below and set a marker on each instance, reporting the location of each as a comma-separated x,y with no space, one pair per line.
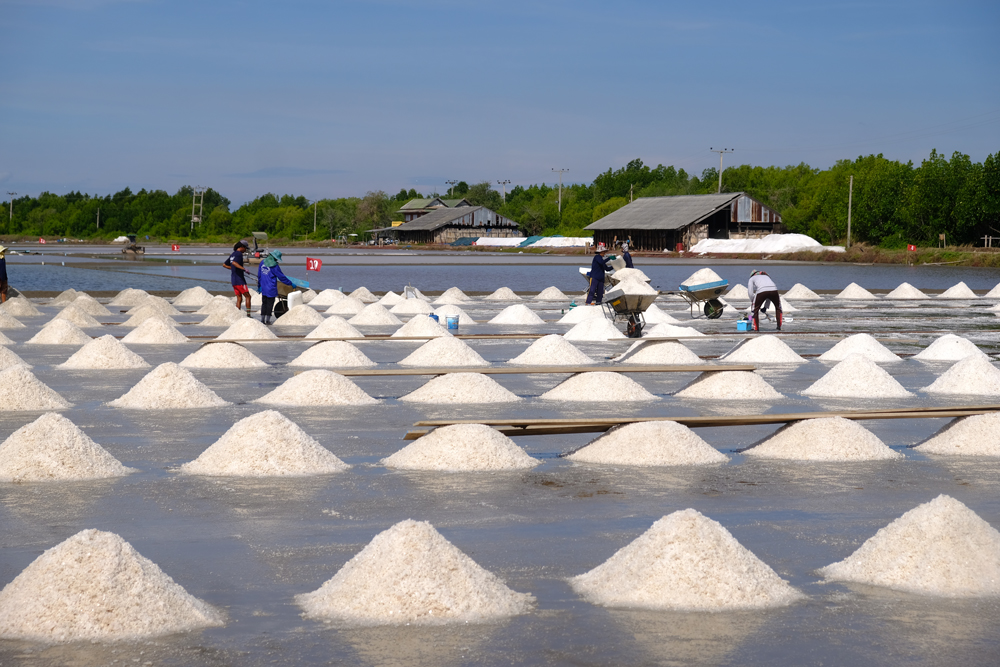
713,309
633,329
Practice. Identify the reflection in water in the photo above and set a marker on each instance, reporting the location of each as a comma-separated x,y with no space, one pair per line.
406,646
40,504
685,638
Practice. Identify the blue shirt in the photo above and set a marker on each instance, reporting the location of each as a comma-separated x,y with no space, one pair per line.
3,268
239,275
599,267
268,277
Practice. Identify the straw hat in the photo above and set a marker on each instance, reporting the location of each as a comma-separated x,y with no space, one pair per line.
3,249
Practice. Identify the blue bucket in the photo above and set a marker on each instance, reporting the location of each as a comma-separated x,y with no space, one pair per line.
434,317
452,321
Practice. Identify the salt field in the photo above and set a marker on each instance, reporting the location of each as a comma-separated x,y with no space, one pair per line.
310,532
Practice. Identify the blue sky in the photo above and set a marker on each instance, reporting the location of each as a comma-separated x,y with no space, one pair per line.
330,99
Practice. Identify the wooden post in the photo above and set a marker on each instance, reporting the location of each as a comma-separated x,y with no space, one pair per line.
850,202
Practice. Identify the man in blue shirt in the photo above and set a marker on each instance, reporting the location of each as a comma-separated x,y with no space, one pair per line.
268,275
626,256
598,268
238,274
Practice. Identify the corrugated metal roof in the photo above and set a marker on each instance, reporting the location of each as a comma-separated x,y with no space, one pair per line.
435,219
420,204
664,212
416,203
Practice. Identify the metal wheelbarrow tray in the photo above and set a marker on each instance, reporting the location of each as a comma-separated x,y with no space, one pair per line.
705,293
621,307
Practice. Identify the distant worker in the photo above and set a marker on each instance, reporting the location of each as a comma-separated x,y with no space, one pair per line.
239,277
598,268
763,289
626,256
3,274
268,275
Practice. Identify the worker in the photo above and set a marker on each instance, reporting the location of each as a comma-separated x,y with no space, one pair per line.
763,289
598,268
238,274
268,275
626,256
3,274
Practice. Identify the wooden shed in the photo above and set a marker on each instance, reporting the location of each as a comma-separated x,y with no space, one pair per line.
446,225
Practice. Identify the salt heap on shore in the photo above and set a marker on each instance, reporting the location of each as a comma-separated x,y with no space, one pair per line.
634,287
461,448
647,444
327,298
52,448
453,293
8,358
332,354
659,353
949,347
518,314
128,297
89,305
856,377
155,331
21,390
64,297
631,274
856,292
959,291
146,312
286,451
799,292
59,332
653,315
702,276
192,297
95,587
978,435
334,327
106,352
729,385
73,314
974,375
374,315
420,325
450,310
4,340
445,352
156,302
551,294
685,561
19,307
247,329
594,329
412,307
503,294
410,574
8,322
390,299
552,350
461,388
862,344
317,387
223,355
766,349
906,291
993,293
940,548
300,316
825,439
599,386
364,295
667,330
738,293
308,295
222,318
216,304
582,313
351,307
168,387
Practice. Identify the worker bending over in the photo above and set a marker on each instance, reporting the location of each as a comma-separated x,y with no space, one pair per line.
762,289
598,268
268,275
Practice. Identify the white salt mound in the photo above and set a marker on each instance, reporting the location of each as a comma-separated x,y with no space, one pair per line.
862,344
9,322
73,314
599,386
461,388
19,307
52,448
685,561
855,291
327,297
223,355
974,375
59,332
978,435
799,292
856,377
21,390
317,387
89,305
825,439
390,299
653,315
420,325
106,352
364,295
193,297
412,307
667,330
216,304
4,340
64,297
156,302
594,329
460,448
96,587
374,315
300,316
9,358
455,293
940,548
729,385
738,293
445,352
517,314
581,313
286,451
647,444
959,291
659,353
787,307
552,350
247,329
764,350
702,276
168,387
906,291
635,287
631,274
993,293
552,294
147,312
350,306
155,331
503,294
332,354
949,347
445,300
410,574
449,310
222,318
128,297
335,327
308,296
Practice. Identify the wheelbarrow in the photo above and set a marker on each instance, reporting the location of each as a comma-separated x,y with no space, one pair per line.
707,294
629,308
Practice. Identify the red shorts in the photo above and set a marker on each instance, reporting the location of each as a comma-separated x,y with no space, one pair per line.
241,289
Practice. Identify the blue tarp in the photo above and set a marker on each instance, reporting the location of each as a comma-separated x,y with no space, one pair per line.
465,240
528,241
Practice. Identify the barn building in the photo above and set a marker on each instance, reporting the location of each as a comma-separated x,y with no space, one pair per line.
415,208
446,225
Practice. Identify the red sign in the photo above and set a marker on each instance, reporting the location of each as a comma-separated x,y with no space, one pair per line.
911,247
174,247
313,264
41,240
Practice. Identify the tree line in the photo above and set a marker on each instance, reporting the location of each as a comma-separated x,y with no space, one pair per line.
893,204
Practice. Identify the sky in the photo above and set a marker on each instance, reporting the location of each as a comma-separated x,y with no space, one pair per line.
326,98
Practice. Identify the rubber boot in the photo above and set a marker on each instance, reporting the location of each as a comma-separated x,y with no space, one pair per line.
779,316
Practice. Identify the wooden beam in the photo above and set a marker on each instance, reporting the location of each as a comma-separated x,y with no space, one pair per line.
546,370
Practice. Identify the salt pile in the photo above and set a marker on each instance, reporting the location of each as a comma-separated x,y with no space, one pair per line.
221,318
552,294
332,354
631,274
308,296
647,444
764,350
993,293
552,350
659,353
247,329
215,305
106,352
410,574
286,451
374,315
19,307
863,344
738,293
667,330
906,291
447,310
52,448
300,316
21,390
167,387
978,435
335,327
455,293
128,297
455,388
825,439
327,297
445,352
634,287
855,291
959,291
939,548
390,299
193,296
364,295
8,322
598,386
856,377
90,305
685,561
64,297
787,307
594,329
972,375
517,314
450,300
146,312
949,347
155,331
581,313
702,276
729,385
317,387
4,340
420,325
653,315
412,307
799,292
73,314
59,332
223,355
461,448
349,306
96,587
8,359
157,302
503,294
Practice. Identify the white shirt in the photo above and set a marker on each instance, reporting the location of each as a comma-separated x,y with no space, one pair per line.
760,283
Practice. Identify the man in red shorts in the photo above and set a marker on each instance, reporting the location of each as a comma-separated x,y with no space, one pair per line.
239,280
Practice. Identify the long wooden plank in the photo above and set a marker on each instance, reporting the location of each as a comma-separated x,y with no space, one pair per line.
378,337
547,370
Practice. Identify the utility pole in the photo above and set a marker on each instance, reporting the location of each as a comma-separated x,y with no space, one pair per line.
503,184
451,186
10,220
850,202
630,188
197,199
720,151
98,218
315,203
561,172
